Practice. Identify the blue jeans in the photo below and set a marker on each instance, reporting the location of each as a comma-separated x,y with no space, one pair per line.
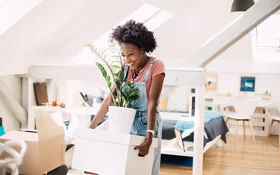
139,128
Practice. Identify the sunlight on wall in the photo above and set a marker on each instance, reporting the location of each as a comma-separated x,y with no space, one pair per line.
12,11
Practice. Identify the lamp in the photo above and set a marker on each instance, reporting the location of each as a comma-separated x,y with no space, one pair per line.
241,5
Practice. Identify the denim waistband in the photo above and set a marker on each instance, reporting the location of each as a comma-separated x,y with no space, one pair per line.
145,113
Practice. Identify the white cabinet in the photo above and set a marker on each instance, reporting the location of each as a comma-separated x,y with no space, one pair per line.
260,121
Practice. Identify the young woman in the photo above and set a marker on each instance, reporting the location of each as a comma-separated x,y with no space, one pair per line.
147,73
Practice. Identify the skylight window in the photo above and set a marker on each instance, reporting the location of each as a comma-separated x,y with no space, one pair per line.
268,33
141,15
266,40
150,15
158,20
11,11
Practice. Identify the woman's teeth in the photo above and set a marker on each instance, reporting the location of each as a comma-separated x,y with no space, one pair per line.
130,64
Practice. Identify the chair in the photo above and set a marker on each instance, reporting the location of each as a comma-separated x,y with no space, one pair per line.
241,110
274,114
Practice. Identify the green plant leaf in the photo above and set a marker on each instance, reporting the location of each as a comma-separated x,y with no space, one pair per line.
108,78
116,66
109,84
102,69
112,72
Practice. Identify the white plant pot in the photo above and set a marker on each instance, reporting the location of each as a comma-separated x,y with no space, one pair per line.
121,119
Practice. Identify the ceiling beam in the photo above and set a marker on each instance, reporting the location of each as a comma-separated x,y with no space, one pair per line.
234,32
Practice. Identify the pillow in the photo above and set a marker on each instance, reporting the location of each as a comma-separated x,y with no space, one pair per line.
163,104
178,100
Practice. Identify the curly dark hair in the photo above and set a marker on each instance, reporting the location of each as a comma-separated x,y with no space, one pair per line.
135,33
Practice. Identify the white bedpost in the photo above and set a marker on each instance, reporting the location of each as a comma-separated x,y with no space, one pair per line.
198,130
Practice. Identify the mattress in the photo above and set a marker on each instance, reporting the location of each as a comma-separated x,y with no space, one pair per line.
214,125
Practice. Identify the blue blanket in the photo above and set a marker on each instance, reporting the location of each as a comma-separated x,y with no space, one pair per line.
183,125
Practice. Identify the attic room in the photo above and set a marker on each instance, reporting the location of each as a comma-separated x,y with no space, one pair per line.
219,103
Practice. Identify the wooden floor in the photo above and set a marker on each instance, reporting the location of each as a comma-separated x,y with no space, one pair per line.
243,158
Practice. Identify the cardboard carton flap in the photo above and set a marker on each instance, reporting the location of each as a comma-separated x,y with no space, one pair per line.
21,135
50,126
113,137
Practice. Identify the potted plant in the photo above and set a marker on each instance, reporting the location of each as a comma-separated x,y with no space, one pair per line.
110,63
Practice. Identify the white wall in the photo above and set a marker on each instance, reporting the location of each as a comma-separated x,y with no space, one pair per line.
14,84
230,82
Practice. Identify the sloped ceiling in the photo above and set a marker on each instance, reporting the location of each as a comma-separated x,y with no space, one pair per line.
55,31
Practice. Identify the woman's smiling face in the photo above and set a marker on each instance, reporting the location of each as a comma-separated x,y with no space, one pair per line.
132,55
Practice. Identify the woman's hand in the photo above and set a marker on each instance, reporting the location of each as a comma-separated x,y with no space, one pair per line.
104,108
145,146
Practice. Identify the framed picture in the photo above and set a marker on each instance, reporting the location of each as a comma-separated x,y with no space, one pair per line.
211,82
247,84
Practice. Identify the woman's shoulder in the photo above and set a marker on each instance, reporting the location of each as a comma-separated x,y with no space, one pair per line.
157,62
158,66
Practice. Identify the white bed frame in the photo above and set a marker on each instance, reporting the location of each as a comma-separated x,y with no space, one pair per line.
167,149
171,147
193,78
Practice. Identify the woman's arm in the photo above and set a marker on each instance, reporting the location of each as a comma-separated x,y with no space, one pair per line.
154,93
153,96
102,111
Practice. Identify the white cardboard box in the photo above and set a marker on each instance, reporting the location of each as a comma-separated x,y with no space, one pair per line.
108,153
45,149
